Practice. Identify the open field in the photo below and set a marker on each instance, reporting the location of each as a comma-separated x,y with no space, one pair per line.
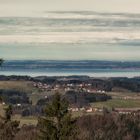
26,86
1,110
31,120
23,120
118,103
119,95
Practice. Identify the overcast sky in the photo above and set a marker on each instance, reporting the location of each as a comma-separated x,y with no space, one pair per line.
29,8
37,7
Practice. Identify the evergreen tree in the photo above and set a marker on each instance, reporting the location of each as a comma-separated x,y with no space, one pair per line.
57,123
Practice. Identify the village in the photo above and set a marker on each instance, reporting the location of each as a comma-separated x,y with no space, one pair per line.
68,87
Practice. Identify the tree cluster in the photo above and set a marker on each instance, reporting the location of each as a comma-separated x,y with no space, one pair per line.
109,127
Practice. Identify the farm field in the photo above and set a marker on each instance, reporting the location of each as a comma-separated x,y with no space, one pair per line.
25,86
118,103
31,120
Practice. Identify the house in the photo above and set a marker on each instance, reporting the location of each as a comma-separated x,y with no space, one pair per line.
88,110
82,109
73,109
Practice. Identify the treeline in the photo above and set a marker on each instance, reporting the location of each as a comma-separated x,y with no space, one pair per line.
14,97
82,99
132,84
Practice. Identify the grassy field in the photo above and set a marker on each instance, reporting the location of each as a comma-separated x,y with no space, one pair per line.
123,94
31,120
23,120
1,110
118,103
26,86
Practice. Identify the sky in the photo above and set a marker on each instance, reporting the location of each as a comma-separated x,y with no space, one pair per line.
37,7
69,52
114,38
